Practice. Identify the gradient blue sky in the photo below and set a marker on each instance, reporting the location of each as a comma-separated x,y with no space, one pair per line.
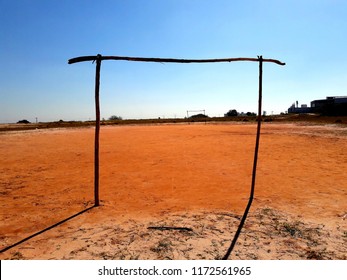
37,37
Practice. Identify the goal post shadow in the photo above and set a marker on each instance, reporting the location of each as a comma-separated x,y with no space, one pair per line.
99,58
44,230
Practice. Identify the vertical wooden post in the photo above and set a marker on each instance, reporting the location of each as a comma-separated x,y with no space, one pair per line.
250,200
259,124
97,131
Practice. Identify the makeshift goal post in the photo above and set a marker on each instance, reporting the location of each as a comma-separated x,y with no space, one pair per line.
99,58
195,111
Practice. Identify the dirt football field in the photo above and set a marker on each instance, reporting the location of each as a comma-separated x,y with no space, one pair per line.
175,191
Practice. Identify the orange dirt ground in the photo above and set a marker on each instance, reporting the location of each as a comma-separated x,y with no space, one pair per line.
196,176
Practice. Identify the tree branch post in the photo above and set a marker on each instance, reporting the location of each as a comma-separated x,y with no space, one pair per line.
250,200
97,130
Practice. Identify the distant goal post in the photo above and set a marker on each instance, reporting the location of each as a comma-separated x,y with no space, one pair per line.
195,111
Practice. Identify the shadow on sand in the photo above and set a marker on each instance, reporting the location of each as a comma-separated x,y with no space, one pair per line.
46,229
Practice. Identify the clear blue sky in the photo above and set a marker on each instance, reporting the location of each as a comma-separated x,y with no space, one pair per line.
37,37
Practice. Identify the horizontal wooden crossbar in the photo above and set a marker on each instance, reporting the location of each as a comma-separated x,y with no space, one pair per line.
170,60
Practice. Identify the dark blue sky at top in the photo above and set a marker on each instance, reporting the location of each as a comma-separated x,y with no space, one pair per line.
38,37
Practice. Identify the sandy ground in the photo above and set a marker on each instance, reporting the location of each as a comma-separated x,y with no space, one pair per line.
193,176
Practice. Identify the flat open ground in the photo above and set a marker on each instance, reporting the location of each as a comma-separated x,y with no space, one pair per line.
195,176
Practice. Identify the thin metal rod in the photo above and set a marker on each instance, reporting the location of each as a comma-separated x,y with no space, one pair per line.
170,60
97,130
244,217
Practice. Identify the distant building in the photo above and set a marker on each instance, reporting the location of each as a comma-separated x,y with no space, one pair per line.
299,110
330,100
332,105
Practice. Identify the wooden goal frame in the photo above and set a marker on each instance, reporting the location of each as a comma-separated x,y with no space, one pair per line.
99,58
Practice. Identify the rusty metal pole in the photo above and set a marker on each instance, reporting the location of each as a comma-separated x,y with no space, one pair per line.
97,130
244,217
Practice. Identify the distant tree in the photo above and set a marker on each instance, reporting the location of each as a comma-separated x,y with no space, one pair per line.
251,114
114,118
231,113
23,121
